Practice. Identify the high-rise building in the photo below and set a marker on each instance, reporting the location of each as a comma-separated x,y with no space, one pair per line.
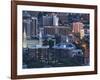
55,20
47,20
34,25
26,27
50,20
30,26
82,33
77,26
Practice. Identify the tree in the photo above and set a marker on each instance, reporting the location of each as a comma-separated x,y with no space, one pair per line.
51,43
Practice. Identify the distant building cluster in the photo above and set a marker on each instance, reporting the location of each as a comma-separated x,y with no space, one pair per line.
30,26
50,20
53,38
53,23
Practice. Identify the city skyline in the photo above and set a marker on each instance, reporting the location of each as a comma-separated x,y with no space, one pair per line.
47,19
55,39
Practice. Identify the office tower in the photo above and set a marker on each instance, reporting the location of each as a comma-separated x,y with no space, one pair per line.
30,25
34,25
47,20
40,19
50,20
55,20
63,19
40,37
77,26
26,26
82,33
